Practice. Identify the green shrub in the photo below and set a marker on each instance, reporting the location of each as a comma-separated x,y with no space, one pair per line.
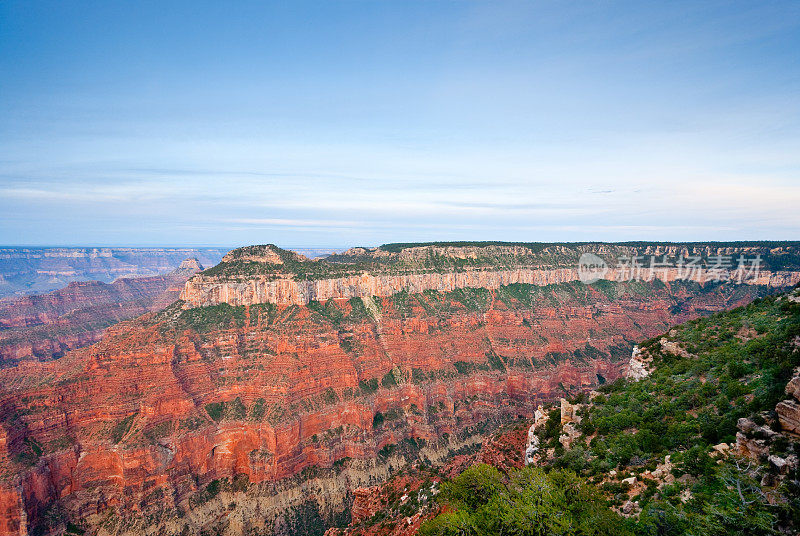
215,410
532,503
377,420
368,386
388,380
122,428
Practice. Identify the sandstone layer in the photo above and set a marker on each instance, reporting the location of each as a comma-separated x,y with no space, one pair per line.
203,291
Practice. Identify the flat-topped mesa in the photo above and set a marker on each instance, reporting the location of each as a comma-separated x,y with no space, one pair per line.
269,274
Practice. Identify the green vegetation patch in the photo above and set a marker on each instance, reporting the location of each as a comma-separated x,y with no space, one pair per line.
329,396
211,318
329,311
153,433
529,502
495,361
389,380
121,428
369,386
232,410
708,374
474,299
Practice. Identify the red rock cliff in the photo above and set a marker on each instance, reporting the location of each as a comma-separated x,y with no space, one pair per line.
242,414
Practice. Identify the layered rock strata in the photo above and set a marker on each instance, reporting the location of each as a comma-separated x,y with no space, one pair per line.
263,417
270,407
789,410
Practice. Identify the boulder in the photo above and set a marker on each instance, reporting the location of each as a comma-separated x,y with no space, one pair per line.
752,448
629,507
789,415
793,388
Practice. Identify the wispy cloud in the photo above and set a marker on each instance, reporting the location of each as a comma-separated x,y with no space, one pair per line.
428,120
279,222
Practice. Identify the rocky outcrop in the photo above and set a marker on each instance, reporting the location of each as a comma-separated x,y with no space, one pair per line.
754,440
532,443
366,502
46,326
639,365
569,419
789,410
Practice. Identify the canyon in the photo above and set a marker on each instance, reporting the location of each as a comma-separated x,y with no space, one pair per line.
46,326
249,410
29,270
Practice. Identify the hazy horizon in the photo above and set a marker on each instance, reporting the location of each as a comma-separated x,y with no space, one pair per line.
328,125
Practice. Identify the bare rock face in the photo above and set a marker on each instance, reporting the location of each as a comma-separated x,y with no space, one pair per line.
753,440
793,387
789,410
532,444
366,502
204,290
638,367
789,415
569,412
569,418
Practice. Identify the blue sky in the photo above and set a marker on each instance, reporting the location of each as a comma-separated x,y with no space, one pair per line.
339,123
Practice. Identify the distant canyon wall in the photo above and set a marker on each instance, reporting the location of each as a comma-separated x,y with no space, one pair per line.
45,326
26,270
